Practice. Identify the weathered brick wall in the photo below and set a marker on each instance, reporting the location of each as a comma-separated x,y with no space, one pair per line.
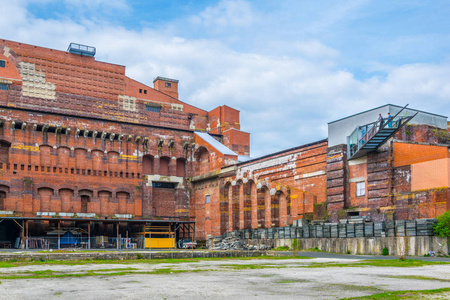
337,180
270,191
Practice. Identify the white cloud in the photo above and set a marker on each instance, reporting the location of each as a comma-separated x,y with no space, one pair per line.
226,14
285,99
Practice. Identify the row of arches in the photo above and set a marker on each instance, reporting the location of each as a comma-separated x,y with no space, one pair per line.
248,205
163,165
101,202
82,159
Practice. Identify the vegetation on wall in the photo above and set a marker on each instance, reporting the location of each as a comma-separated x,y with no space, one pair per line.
442,227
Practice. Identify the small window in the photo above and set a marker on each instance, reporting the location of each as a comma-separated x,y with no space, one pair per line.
163,185
208,199
140,91
145,91
360,189
168,84
2,63
4,86
154,108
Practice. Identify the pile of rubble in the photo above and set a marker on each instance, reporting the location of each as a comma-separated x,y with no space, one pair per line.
234,242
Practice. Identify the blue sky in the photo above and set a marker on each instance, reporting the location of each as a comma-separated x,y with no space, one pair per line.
288,66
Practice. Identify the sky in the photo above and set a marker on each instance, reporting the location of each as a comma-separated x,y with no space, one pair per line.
288,66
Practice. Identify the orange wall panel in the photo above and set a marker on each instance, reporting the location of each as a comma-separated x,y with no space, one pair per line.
407,153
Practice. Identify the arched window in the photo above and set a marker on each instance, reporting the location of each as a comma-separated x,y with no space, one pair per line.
181,167
4,151
147,164
164,166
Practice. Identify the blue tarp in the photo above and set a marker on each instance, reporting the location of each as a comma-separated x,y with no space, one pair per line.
69,239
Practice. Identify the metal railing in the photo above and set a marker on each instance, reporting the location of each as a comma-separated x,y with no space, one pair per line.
362,134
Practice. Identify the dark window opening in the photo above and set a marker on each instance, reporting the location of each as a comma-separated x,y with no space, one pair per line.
168,84
152,108
15,166
145,91
140,91
163,185
2,64
22,167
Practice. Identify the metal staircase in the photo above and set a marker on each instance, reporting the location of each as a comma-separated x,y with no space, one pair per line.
369,137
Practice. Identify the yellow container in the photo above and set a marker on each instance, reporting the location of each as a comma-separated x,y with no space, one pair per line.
159,242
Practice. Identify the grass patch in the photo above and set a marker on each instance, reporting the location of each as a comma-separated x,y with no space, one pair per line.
404,295
418,277
405,263
15,263
292,281
251,266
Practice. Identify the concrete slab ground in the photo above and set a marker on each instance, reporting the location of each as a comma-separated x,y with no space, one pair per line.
295,278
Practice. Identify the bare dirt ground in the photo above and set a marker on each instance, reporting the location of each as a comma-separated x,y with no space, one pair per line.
313,278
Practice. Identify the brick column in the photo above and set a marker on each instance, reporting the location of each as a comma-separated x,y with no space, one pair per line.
254,199
268,208
241,205
337,179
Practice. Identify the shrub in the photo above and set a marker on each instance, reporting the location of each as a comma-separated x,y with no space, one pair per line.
385,251
442,227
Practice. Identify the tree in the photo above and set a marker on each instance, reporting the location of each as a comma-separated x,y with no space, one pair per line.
442,227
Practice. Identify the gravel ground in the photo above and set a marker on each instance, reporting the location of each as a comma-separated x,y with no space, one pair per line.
220,279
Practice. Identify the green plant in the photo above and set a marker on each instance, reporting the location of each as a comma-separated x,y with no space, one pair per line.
442,227
349,252
139,256
385,251
295,246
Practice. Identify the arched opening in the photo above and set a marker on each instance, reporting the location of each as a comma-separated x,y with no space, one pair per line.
224,210
63,157
85,199
123,199
202,159
275,209
147,164
4,151
105,199
45,195
80,158
113,159
2,200
235,207
84,204
261,200
45,155
164,165
248,205
97,156
181,167
66,199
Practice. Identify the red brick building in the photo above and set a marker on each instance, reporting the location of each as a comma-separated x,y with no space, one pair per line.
83,146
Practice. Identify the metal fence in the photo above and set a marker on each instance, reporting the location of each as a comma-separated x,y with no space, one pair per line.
99,242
